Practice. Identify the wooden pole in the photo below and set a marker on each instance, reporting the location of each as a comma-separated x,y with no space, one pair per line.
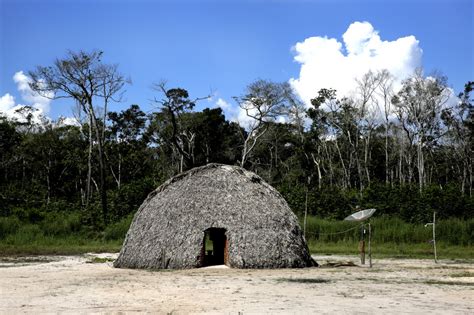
370,248
362,245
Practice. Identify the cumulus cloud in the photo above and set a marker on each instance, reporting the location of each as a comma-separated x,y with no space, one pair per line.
34,104
235,113
7,102
223,104
329,63
28,95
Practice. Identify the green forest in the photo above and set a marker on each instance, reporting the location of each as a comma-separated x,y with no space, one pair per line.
406,152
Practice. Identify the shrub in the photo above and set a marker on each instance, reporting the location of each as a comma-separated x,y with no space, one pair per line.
118,230
8,225
61,223
26,234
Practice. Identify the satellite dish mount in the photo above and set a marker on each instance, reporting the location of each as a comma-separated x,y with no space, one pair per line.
362,216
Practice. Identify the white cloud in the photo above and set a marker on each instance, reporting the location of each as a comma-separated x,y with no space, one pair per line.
36,105
235,113
19,112
223,104
239,115
67,121
328,63
7,102
28,95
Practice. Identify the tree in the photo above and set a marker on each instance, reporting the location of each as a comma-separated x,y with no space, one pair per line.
336,124
83,77
263,102
126,130
10,138
367,120
175,104
459,120
385,95
419,104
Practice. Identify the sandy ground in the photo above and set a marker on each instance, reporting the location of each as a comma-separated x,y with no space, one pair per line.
75,285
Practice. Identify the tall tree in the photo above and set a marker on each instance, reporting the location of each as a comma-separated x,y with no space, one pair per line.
83,77
419,104
175,103
263,102
459,120
126,130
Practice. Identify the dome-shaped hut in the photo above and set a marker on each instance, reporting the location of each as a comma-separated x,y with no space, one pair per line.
215,214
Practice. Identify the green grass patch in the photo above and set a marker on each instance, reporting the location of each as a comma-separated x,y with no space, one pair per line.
59,234
464,274
391,230
49,245
392,237
392,250
99,260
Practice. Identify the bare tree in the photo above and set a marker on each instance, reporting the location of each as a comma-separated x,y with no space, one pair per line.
458,119
385,94
332,124
83,77
367,107
419,104
263,102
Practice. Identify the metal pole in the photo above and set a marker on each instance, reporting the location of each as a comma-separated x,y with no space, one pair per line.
370,248
434,237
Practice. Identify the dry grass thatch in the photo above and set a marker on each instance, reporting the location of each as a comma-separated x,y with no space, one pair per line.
168,229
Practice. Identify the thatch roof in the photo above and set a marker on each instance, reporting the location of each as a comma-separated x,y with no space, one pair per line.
168,229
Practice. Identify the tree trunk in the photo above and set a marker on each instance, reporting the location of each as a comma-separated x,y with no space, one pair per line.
421,166
367,158
48,180
89,163
346,177
318,168
103,188
386,154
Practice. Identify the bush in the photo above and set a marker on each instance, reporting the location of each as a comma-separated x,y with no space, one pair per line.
61,223
26,234
118,230
8,225
128,198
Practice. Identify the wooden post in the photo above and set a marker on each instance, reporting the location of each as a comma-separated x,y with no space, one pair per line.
370,248
362,245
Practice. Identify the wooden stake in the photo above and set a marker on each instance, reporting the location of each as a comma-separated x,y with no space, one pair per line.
362,245
370,248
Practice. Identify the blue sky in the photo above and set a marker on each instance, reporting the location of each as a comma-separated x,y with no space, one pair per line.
221,46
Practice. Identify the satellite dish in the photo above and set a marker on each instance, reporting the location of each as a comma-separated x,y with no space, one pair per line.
361,215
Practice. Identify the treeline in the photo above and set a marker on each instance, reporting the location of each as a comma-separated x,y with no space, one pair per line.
407,153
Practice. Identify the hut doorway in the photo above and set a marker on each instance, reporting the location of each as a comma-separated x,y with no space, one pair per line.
214,247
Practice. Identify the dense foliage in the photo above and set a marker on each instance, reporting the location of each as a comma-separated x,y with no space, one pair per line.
411,160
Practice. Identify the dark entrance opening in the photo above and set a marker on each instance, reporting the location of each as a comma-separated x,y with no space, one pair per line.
214,247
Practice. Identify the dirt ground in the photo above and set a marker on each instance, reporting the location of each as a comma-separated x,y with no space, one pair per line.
75,284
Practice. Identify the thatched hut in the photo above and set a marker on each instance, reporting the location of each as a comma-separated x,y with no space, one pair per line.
215,214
